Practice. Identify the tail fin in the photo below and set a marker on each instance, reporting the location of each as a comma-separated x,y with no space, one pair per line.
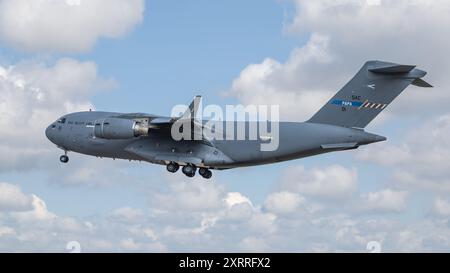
375,86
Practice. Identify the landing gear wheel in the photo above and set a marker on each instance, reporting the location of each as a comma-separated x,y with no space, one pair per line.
205,173
189,170
64,158
172,167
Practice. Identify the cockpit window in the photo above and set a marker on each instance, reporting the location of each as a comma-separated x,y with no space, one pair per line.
63,120
53,126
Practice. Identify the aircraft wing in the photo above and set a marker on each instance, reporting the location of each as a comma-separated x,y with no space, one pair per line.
161,122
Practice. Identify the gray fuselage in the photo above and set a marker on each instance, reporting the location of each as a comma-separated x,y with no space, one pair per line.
75,132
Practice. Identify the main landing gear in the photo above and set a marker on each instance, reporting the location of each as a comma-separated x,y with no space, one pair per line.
172,167
189,170
205,173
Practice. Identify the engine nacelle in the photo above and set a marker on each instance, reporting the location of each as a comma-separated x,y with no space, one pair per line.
119,128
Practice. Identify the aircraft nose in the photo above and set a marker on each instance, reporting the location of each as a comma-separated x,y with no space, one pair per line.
49,132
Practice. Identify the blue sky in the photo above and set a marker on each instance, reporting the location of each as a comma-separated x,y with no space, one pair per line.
162,53
197,48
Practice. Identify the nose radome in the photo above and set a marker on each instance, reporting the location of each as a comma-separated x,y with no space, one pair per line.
48,132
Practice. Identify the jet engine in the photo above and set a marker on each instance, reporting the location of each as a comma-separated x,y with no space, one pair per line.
119,128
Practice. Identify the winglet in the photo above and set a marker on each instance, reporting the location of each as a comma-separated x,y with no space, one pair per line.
193,108
421,83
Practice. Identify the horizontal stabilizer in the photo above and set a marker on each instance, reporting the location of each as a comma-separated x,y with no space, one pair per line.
421,83
391,69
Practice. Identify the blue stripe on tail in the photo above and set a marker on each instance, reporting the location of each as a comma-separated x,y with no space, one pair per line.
347,103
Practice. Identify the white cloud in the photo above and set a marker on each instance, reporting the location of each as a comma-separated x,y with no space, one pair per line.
6,231
193,195
333,182
128,214
210,229
240,212
420,160
298,91
240,208
66,26
358,31
150,234
386,200
236,198
342,36
129,244
253,244
441,206
263,223
38,212
32,226
409,240
13,199
283,202
35,94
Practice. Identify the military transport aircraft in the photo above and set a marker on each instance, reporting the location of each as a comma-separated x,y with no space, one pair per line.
338,126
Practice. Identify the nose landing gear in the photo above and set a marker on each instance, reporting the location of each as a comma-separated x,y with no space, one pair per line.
64,158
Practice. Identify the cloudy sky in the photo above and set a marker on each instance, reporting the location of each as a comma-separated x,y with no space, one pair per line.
59,56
